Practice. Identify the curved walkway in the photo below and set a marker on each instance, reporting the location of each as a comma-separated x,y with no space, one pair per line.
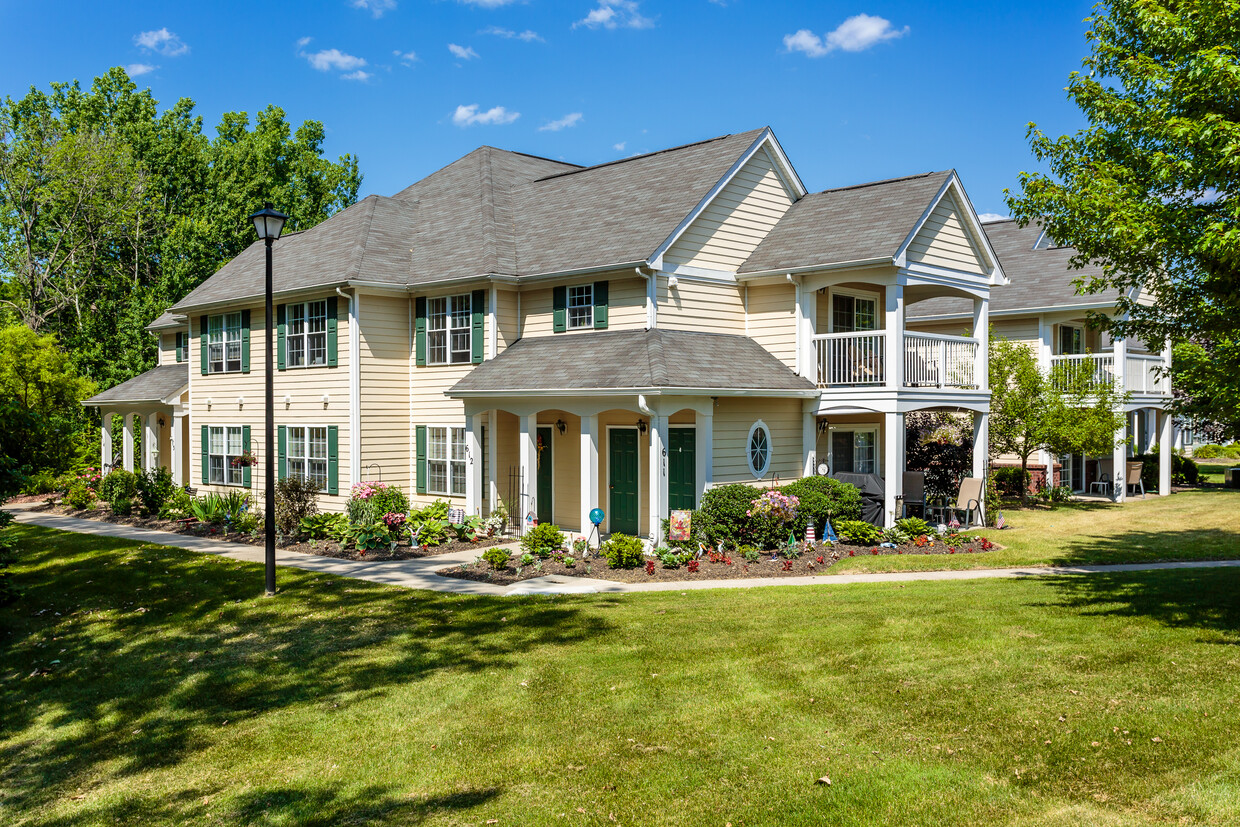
420,574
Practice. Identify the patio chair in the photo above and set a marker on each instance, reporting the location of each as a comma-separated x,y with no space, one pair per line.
969,502
1133,478
914,486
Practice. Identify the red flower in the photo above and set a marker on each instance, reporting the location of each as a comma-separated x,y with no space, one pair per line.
649,567
693,565
852,552
874,551
819,558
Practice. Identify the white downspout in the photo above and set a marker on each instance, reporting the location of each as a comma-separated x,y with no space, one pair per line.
652,303
355,386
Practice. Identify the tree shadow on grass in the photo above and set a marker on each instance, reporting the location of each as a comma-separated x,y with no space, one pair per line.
1134,546
123,658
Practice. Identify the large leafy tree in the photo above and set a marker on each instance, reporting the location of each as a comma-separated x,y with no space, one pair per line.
111,209
1150,189
1066,411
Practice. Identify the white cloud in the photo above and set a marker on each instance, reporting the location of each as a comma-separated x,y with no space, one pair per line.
162,41
463,52
470,116
358,75
615,14
571,119
987,217
620,146
406,58
856,34
304,42
328,60
527,35
375,7
136,69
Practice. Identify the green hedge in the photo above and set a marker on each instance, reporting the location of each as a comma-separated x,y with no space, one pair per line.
1211,451
723,514
1183,470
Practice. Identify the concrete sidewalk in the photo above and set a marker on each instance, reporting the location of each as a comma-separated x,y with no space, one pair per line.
420,574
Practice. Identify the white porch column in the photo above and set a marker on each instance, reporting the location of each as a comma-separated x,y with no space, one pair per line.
809,438
894,322
981,444
177,459
105,443
1165,447
127,442
473,465
589,475
807,314
150,442
1119,456
1045,347
1120,351
658,476
893,464
529,468
493,458
981,332
704,453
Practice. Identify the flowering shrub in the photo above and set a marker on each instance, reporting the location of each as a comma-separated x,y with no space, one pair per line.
369,501
782,508
393,520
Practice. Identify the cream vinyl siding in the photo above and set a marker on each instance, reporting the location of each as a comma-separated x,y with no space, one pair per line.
943,240
384,323
167,348
733,419
772,320
736,220
626,305
1016,330
304,386
956,328
566,468
508,452
716,307
509,323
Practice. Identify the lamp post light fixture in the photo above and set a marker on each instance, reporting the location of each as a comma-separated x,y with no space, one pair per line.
269,223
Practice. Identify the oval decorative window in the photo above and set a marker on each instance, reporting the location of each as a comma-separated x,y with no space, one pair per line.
759,449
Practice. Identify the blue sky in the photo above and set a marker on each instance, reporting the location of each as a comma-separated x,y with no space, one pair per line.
855,91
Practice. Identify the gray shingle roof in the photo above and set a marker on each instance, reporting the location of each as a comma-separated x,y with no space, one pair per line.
491,212
635,360
154,385
847,224
166,320
1037,278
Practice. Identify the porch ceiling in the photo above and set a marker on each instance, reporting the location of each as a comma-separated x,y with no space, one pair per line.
644,361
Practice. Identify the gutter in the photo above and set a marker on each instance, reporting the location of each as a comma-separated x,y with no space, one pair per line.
1019,311
839,265
806,393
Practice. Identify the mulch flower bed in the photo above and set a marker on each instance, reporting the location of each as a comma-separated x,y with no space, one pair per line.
323,548
729,566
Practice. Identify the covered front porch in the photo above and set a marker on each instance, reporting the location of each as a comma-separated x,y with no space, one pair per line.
153,411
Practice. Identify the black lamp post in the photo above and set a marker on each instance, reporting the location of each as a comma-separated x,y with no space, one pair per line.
269,224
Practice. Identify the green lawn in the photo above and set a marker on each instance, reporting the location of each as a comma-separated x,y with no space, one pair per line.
1212,469
142,684
1193,525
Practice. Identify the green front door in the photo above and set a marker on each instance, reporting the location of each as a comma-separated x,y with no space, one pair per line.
681,468
622,483
544,502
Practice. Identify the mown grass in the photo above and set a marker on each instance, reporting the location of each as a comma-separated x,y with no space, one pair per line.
1192,525
142,684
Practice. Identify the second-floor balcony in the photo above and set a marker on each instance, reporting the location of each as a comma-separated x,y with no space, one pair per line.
1140,372
930,360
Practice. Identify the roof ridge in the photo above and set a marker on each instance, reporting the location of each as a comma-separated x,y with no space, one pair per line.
913,177
641,157
361,244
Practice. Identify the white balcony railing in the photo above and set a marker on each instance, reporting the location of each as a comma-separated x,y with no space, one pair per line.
1100,367
934,360
1140,370
930,360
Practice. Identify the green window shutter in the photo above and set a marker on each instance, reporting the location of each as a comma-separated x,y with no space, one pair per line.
206,446
245,341
245,442
281,330
203,343
419,330
178,347
478,305
333,459
600,305
421,442
559,308
333,325
282,456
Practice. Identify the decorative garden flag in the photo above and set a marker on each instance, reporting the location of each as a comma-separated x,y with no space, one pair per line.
954,523
828,534
792,539
999,521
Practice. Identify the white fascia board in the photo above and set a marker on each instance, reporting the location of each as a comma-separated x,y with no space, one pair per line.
881,261
805,393
280,295
1017,311
929,274
953,185
689,273
979,232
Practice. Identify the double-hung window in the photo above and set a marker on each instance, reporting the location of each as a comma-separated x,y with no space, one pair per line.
224,343
306,455
225,446
182,347
306,338
581,306
448,329
445,461
854,451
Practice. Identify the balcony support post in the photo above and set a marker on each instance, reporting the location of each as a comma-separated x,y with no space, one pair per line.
1165,448
895,336
1119,458
807,314
981,333
893,465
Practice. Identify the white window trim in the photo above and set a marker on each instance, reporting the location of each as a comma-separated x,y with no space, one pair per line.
1070,326
759,473
288,457
872,430
449,301
240,483
868,295
449,461
289,336
224,343
569,306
